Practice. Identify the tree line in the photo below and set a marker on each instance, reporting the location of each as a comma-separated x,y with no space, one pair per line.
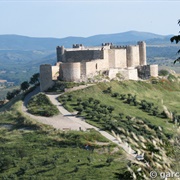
34,80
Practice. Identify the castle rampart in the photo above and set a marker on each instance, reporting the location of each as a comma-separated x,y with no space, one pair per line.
80,63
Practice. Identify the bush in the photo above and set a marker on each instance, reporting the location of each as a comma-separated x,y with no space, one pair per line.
163,72
115,94
111,109
108,90
12,94
172,78
41,105
154,80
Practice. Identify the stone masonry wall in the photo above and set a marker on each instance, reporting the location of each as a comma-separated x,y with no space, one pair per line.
45,77
83,55
120,58
111,57
55,72
154,70
70,71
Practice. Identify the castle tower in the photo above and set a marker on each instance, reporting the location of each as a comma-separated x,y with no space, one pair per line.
70,71
142,53
60,53
132,56
45,77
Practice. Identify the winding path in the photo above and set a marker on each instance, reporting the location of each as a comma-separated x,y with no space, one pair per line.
67,121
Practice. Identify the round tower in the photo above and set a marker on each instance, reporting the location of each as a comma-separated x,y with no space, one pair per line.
142,53
129,51
70,71
60,53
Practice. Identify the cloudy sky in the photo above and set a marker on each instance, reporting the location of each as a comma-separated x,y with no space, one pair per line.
38,18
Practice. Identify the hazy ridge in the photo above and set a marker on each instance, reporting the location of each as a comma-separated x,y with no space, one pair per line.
20,56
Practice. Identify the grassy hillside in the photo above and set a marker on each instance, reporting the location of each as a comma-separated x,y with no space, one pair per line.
30,150
167,91
133,110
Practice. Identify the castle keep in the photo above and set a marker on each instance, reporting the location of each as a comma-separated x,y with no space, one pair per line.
80,63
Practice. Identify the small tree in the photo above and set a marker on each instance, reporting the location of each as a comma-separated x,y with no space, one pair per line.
109,160
10,95
34,79
121,115
90,99
79,100
176,39
24,85
111,109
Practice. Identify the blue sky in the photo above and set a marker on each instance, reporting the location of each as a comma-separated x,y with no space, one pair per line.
86,18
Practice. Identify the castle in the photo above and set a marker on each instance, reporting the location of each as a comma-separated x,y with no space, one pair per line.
80,63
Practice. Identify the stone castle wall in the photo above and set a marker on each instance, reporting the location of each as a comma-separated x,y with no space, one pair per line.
80,63
154,70
82,55
120,58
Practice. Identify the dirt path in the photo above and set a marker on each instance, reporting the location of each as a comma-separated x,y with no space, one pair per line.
68,121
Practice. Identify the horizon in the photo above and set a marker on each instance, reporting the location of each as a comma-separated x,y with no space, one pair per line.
86,36
59,19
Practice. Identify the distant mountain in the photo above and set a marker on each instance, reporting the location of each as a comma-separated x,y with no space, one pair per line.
20,56
17,42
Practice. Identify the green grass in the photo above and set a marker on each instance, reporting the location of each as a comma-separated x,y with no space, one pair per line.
100,108
41,105
155,93
30,150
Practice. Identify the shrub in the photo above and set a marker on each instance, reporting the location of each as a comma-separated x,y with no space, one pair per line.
122,96
154,80
12,94
90,99
108,90
69,97
172,78
41,105
163,72
111,109
96,101
115,94
121,115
